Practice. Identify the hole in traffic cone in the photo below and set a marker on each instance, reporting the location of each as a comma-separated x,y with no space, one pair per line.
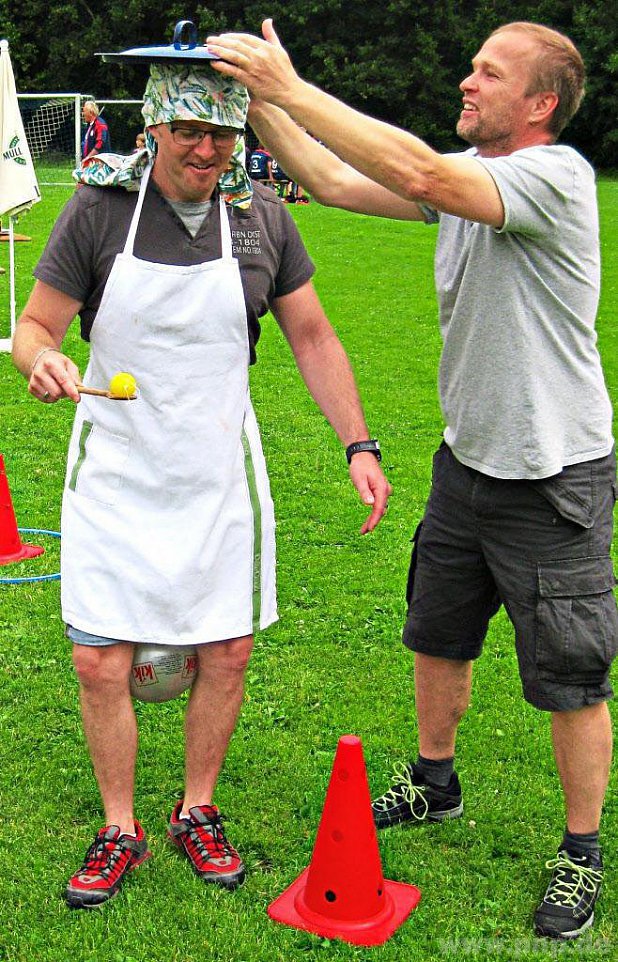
343,894
11,546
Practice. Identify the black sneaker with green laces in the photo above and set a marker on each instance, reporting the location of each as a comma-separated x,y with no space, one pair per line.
567,908
413,799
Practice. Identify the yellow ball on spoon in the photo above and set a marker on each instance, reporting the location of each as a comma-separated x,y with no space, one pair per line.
123,385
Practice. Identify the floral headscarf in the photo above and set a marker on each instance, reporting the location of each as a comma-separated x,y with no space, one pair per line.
181,93
184,93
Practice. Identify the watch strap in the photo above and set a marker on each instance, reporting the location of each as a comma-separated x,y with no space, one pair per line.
372,446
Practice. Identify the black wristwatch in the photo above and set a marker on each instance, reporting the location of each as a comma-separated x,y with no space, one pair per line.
372,446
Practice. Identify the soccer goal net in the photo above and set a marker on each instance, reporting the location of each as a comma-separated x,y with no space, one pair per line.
54,130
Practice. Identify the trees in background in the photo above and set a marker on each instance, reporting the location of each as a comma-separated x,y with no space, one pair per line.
400,60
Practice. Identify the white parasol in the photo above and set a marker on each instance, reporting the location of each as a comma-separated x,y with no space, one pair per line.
19,189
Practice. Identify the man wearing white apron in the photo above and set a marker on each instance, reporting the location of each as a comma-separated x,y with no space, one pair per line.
168,524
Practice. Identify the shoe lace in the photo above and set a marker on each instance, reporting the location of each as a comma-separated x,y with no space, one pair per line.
102,858
570,881
209,841
404,789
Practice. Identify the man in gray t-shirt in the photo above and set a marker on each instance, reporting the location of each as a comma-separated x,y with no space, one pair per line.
520,511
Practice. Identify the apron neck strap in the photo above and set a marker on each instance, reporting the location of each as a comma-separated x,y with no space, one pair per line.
226,233
128,245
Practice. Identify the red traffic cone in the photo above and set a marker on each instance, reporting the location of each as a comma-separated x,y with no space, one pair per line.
11,547
343,894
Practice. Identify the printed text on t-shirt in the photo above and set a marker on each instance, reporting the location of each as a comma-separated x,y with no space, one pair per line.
246,242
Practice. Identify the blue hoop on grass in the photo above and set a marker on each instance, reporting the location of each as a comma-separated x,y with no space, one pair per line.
21,581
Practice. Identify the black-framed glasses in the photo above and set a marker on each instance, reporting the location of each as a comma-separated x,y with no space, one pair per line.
192,136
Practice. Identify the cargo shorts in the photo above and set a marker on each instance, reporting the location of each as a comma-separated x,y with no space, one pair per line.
541,549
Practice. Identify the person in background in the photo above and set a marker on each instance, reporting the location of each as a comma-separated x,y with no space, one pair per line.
171,256
298,191
140,140
281,180
260,167
524,483
96,138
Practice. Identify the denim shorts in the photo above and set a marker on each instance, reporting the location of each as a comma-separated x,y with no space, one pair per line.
541,549
79,637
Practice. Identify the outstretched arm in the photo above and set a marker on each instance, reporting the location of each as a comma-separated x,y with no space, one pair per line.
399,161
326,371
327,178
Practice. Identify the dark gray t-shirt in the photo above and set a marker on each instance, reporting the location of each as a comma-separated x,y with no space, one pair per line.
94,224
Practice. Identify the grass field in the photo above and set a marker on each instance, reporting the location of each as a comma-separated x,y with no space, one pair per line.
333,664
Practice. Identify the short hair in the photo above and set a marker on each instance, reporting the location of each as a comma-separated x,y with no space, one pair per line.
90,104
560,69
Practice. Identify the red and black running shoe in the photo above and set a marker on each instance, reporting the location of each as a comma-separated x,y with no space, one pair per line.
110,857
202,839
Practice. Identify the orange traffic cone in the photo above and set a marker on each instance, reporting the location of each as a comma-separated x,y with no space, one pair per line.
343,894
11,546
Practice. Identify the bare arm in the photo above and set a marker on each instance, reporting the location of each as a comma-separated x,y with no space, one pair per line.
399,161
326,371
51,375
327,178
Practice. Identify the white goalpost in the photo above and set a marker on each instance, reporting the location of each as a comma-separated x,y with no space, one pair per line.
52,122
124,118
54,130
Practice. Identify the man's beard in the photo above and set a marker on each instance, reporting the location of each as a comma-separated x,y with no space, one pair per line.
478,134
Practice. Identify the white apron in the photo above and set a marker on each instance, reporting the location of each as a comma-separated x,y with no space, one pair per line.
167,519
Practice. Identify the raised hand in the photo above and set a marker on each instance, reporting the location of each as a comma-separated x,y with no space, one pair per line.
262,65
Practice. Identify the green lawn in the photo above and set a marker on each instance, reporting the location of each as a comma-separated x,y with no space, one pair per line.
334,664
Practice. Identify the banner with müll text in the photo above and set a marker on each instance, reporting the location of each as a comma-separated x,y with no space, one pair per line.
19,188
